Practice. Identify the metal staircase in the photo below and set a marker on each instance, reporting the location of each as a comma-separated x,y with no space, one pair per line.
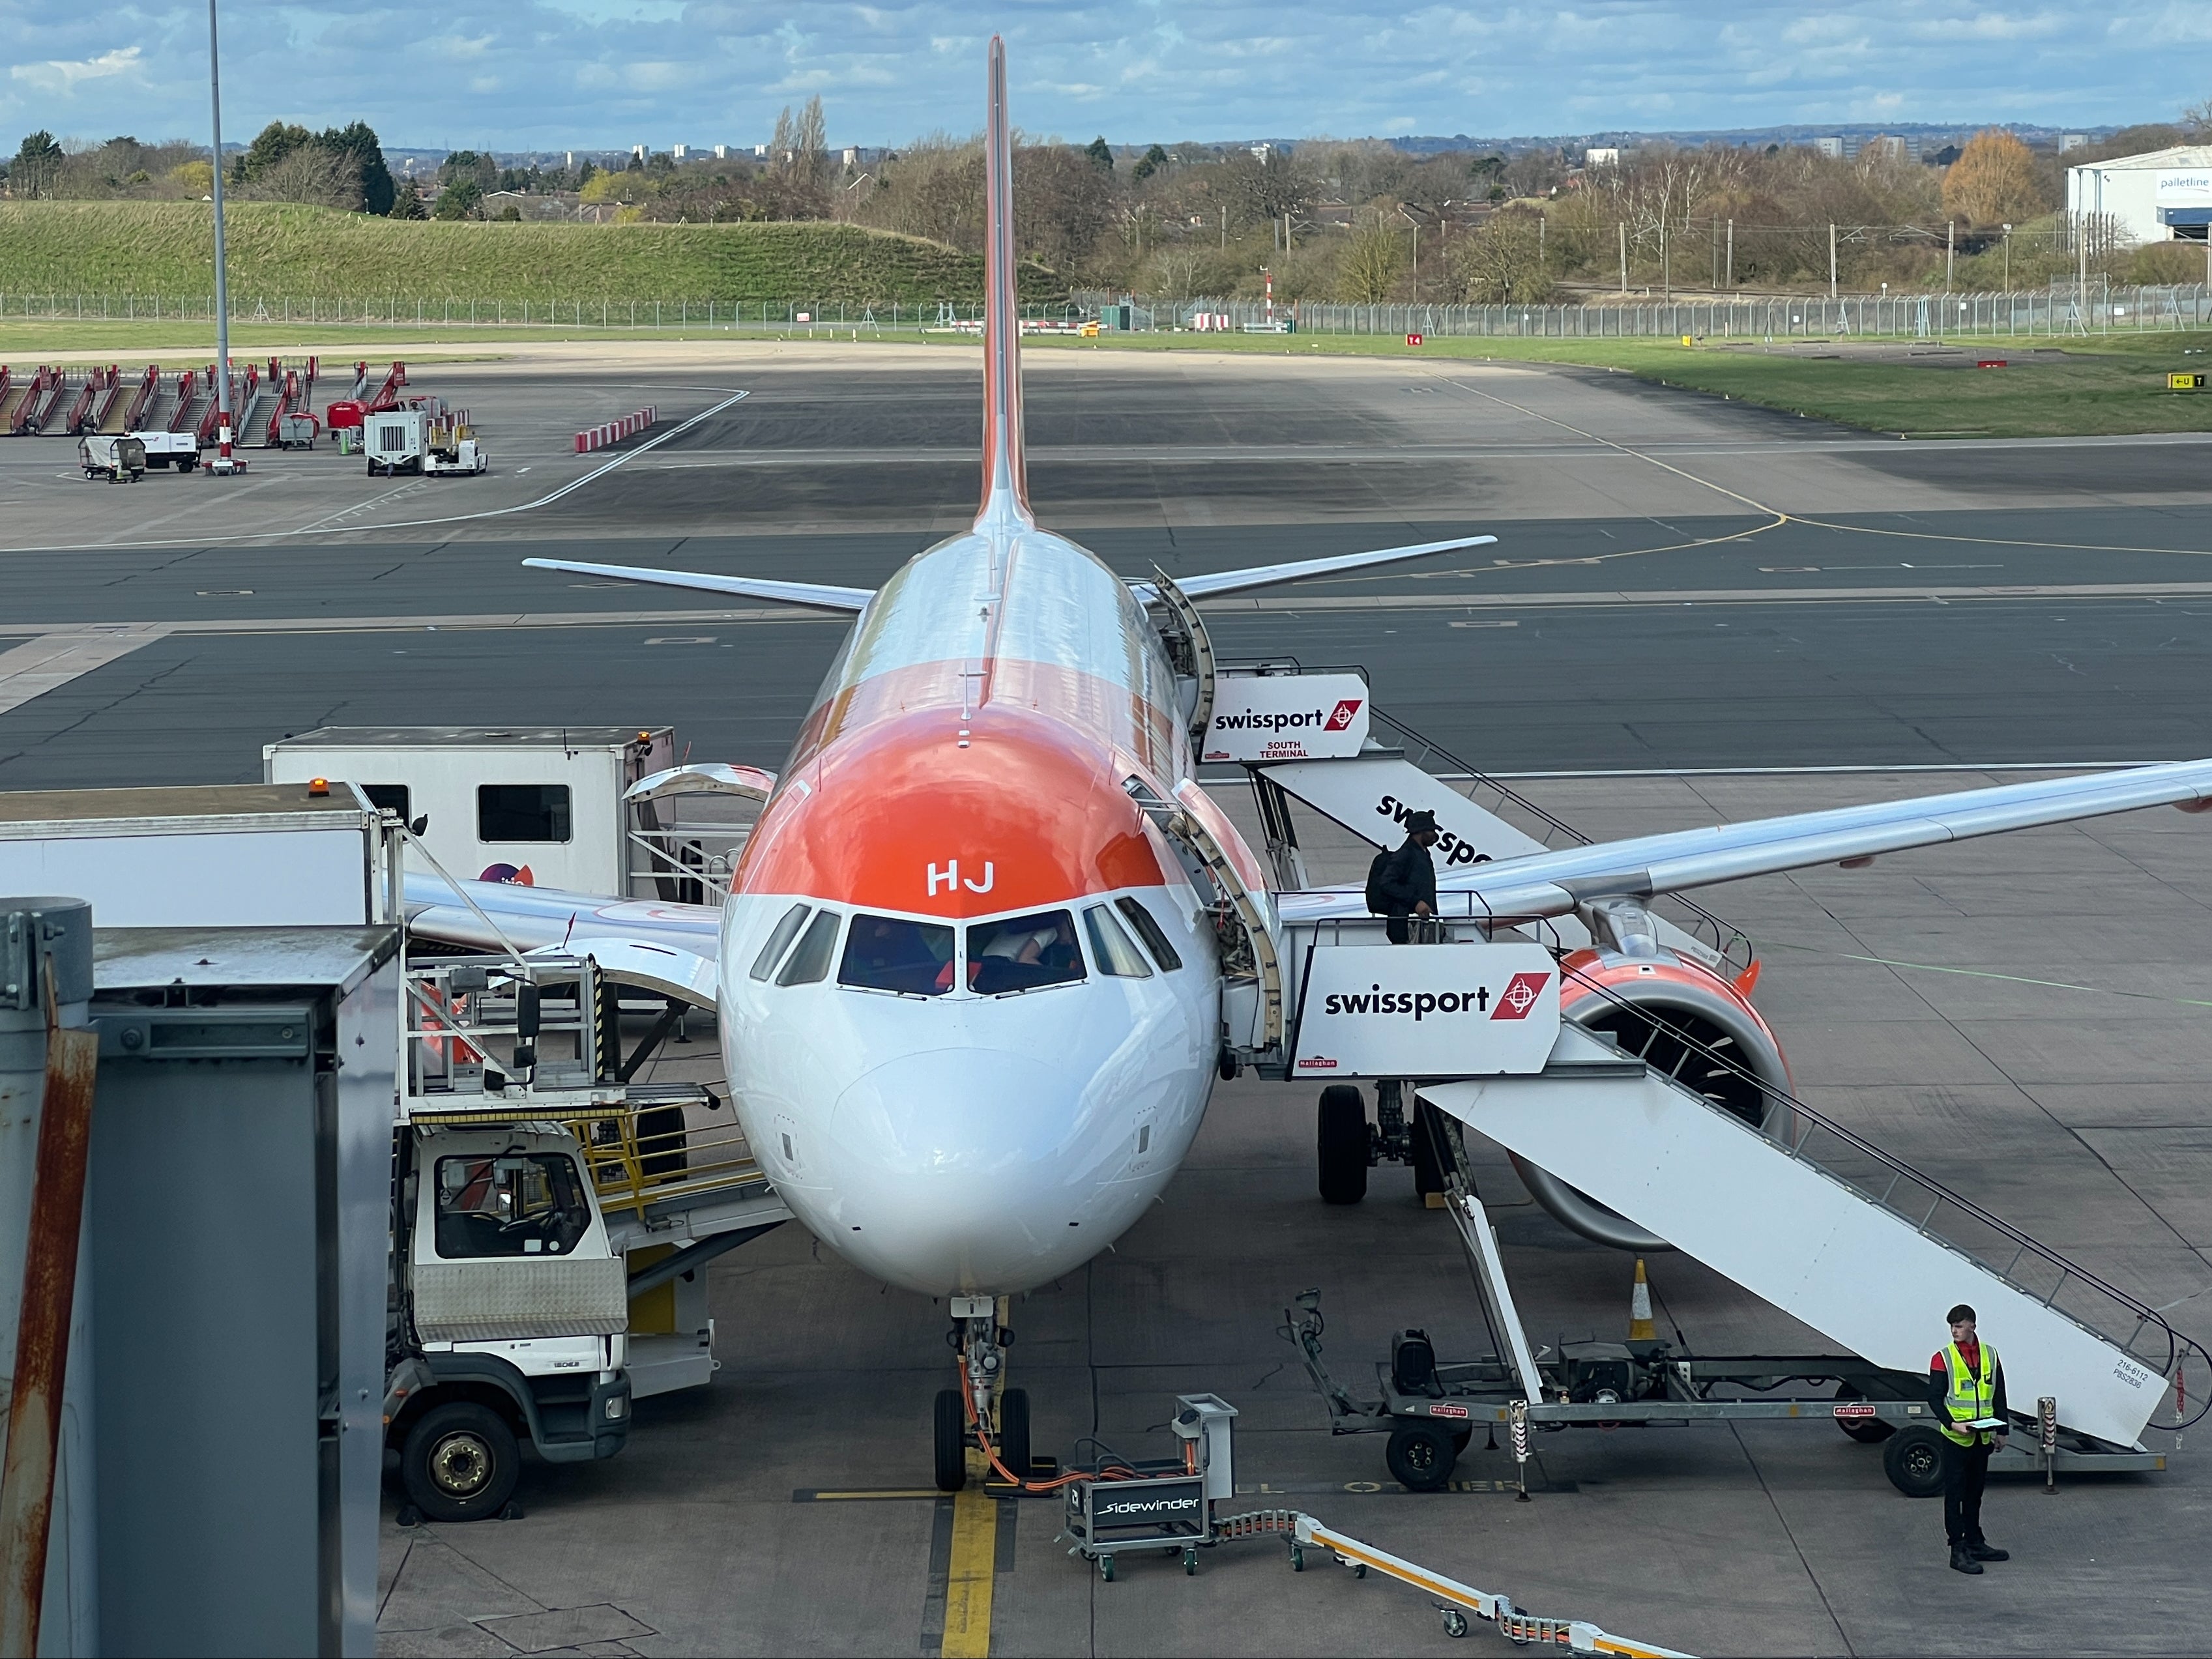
1798,1208
1832,1229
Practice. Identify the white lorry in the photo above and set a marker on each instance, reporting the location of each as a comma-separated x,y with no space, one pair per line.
429,440
596,809
164,450
550,1215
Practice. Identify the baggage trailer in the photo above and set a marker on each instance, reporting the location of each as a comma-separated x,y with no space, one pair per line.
118,459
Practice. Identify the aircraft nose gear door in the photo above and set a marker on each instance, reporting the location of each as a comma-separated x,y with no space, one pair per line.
1190,653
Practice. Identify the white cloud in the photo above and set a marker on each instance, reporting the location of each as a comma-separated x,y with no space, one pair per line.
515,73
63,75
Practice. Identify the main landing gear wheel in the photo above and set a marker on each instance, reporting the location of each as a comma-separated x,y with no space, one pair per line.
951,1426
1913,1460
461,1462
1013,1447
1421,1457
1340,1144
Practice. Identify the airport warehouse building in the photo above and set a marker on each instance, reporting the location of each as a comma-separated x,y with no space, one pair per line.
2163,195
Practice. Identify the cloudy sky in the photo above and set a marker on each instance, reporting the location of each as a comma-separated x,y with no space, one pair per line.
547,74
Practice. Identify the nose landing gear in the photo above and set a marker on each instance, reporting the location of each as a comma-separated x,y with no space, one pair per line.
981,1338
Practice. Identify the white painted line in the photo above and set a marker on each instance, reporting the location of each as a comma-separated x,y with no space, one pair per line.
320,528
54,659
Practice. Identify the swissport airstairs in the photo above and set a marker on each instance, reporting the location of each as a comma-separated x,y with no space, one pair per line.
1644,1112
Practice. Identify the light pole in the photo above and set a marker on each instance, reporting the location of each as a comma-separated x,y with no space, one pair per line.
2008,258
1416,246
225,463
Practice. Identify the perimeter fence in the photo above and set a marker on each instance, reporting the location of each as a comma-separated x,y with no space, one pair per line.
2063,309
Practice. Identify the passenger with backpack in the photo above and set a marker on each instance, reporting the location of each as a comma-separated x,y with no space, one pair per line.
1402,883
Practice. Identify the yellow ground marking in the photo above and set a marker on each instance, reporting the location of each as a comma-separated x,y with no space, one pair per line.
969,1570
973,1563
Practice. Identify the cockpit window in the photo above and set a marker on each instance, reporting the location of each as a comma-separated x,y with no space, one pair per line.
1021,953
778,941
811,960
1149,931
889,953
1111,945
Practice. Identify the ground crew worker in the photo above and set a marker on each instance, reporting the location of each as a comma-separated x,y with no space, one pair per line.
1402,883
1967,1383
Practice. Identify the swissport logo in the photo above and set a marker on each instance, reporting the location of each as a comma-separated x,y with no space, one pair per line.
1338,718
1519,996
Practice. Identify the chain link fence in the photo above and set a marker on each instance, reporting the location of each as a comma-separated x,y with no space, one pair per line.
2063,309
2097,309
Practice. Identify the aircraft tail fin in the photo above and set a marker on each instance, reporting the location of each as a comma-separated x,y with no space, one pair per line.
1006,476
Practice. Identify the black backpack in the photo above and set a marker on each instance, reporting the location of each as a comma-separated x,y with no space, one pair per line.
1377,873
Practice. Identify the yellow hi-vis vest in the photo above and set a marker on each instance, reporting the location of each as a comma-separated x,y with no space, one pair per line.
1969,1397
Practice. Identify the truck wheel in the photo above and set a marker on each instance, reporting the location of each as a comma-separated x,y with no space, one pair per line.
461,1462
1340,1144
1913,1460
1014,1432
952,1424
1421,1457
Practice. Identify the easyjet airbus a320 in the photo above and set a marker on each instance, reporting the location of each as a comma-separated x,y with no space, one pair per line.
971,992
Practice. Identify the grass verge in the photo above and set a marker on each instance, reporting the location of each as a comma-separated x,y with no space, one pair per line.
2104,386
277,250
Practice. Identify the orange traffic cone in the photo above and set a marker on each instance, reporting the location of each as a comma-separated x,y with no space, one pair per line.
1640,1327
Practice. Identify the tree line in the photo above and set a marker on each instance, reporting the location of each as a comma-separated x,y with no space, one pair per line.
1360,221
339,167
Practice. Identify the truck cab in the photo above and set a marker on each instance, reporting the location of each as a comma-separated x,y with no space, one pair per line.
511,1319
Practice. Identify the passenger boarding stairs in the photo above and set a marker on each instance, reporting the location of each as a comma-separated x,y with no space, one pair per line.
1803,1211
261,398
1831,1229
124,409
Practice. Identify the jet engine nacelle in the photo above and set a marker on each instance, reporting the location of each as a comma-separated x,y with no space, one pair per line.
1650,1002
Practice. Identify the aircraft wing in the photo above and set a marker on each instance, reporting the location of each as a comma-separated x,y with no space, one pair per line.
1266,576
672,948
821,596
1552,884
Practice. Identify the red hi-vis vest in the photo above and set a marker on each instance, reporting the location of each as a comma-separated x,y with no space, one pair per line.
1970,1396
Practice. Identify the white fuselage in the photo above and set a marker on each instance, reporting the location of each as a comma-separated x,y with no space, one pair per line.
955,1123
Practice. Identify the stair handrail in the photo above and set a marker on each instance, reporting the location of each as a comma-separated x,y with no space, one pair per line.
144,395
1724,936
2146,1316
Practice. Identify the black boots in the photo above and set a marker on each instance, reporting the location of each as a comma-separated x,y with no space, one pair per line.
1982,1552
1962,1560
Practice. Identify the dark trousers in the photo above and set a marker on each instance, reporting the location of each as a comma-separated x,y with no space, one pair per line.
1965,1470
1399,930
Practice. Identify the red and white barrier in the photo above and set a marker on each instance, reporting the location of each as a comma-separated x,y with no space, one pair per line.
614,432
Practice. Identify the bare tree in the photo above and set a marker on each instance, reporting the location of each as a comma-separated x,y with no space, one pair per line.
1372,260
